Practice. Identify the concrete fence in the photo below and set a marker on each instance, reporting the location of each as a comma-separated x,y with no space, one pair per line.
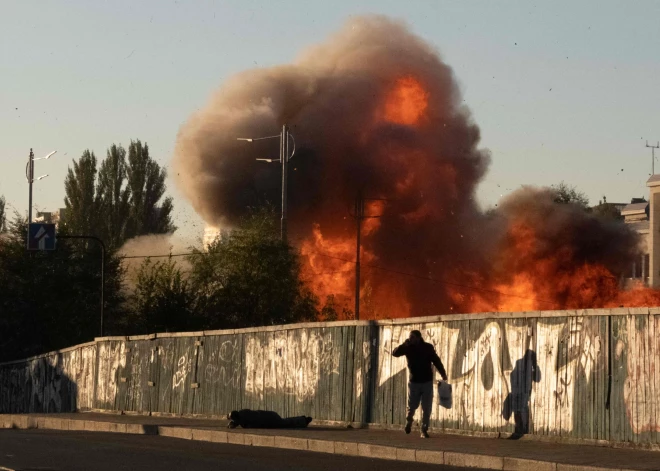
590,374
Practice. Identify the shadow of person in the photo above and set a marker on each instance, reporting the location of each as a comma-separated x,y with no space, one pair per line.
39,385
517,401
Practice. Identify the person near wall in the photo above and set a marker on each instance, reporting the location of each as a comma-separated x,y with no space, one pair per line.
421,357
247,418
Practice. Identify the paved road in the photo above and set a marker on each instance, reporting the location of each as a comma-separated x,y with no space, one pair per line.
43,450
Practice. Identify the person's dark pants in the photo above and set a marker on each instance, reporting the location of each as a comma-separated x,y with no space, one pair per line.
420,392
293,422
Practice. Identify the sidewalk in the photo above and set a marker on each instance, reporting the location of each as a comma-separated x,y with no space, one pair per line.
455,450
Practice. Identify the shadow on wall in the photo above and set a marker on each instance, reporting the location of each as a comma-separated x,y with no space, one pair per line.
37,386
525,371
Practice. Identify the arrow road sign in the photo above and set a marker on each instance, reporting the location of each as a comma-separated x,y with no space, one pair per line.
41,236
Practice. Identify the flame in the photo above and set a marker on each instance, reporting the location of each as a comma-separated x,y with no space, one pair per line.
328,266
407,102
524,274
551,282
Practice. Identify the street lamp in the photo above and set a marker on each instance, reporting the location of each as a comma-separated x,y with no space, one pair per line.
284,160
29,175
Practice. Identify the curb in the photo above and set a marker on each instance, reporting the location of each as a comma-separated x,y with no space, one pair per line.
364,450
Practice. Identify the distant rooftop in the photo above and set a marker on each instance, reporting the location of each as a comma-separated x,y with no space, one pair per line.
635,208
653,181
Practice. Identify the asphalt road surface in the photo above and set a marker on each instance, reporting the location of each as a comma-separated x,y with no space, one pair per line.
43,450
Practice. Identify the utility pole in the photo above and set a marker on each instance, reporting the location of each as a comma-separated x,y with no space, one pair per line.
284,159
359,215
30,177
653,148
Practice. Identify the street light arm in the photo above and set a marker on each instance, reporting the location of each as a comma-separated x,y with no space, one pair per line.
252,139
48,156
294,146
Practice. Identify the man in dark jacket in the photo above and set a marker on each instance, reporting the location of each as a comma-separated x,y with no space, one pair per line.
420,357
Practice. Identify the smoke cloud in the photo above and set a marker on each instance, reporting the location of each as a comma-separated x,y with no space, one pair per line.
375,110
151,245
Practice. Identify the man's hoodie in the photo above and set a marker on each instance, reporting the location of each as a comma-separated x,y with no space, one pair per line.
420,359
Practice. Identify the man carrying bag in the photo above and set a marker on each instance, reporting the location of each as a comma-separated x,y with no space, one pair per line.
421,357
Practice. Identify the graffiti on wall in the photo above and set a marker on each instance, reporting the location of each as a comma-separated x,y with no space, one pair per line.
58,382
111,357
289,363
505,373
529,375
223,366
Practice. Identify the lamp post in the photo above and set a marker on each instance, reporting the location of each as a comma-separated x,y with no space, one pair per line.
29,175
284,159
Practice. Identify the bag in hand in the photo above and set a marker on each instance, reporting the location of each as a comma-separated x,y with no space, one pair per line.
444,394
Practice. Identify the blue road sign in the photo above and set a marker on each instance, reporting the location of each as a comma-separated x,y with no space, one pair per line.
41,236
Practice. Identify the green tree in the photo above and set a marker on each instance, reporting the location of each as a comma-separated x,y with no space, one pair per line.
125,200
3,215
146,183
162,300
249,277
113,197
51,300
80,199
566,194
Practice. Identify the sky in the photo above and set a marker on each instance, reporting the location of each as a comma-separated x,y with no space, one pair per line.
562,91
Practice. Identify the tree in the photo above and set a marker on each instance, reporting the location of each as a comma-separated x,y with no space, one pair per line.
51,300
146,183
249,277
113,197
565,194
3,215
124,203
80,198
162,299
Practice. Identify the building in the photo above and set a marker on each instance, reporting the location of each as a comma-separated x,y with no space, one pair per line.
210,235
619,206
636,214
53,217
653,184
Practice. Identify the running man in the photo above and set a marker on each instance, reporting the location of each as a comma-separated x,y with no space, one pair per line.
420,357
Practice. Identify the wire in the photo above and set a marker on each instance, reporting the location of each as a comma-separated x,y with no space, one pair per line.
163,256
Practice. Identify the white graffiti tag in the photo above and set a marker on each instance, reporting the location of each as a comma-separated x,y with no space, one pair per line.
184,365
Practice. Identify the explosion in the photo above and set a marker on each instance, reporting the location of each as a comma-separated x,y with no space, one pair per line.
375,112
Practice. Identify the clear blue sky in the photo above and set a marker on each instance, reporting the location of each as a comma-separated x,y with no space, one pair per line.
561,90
